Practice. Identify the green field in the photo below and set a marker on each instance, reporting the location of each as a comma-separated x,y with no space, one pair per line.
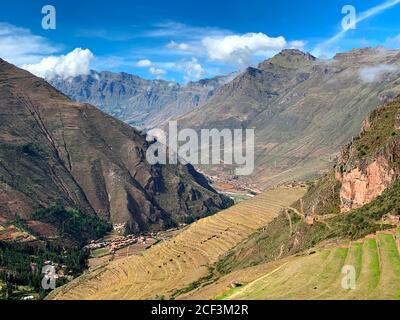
319,275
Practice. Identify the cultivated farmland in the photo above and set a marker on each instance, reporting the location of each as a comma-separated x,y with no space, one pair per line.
178,262
317,274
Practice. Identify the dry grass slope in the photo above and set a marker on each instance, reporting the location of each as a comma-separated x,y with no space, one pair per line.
176,263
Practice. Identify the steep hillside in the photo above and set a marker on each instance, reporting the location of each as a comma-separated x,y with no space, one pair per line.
361,195
303,109
317,274
57,152
139,102
347,218
182,263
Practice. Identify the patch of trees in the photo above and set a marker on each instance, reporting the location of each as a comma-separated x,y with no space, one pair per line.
72,224
21,265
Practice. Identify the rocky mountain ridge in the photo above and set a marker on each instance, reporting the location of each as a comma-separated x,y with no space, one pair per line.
137,101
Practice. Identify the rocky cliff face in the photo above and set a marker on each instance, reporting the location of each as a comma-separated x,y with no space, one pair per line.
139,102
55,151
369,165
361,186
365,168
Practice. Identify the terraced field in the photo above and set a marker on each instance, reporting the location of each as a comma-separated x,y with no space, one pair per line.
176,263
319,275
13,233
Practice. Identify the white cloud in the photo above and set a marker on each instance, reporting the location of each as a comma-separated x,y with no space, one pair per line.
75,63
19,46
215,50
157,72
373,74
393,42
297,44
240,48
179,46
144,63
193,70
175,29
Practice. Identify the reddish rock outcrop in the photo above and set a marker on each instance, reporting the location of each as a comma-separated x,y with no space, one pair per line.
370,164
360,187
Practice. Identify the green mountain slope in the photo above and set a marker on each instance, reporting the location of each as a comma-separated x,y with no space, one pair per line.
319,274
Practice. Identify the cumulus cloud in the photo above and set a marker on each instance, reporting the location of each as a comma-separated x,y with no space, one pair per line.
240,48
372,74
193,70
144,63
19,46
157,72
75,63
218,49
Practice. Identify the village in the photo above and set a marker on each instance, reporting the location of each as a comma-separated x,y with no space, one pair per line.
117,245
230,184
121,242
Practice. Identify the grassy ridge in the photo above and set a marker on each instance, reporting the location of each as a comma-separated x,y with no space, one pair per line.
381,130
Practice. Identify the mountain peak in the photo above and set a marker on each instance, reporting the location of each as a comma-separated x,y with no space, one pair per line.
295,52
290,58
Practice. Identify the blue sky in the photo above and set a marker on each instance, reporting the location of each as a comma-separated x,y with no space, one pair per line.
184,40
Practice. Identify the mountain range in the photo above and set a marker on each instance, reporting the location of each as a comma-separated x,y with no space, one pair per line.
56,152
303,109
139,102
288,243
68,169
